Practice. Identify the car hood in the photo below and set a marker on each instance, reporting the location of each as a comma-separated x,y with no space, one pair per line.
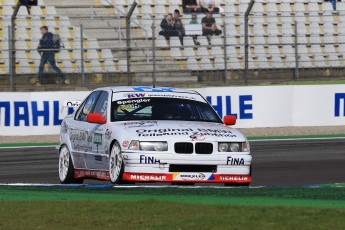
178,131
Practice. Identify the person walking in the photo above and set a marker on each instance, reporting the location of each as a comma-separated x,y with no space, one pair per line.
47,52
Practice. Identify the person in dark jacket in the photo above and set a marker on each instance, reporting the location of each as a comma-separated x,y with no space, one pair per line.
45,48
190,6
168,28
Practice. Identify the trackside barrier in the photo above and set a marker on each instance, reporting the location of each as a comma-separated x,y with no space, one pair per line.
41,113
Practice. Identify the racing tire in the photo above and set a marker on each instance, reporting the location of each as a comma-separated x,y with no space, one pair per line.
66,168
116,165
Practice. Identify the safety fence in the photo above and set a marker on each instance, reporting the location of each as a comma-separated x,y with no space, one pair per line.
284,42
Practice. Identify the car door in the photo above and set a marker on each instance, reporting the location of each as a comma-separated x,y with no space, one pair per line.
80,132
99,145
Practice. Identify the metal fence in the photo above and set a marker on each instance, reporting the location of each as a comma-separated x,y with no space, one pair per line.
103,48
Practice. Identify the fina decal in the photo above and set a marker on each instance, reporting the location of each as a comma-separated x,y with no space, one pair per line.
149,160
125,144
234,161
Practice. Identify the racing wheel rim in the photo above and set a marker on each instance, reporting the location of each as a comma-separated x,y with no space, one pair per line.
115,163
63,163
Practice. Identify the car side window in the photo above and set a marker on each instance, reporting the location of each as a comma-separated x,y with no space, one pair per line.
87,106
102,105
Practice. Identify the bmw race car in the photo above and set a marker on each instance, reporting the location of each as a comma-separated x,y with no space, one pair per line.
148,134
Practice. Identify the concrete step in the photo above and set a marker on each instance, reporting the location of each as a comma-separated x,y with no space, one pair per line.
167,77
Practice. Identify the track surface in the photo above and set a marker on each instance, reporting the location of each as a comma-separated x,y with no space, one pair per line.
277,163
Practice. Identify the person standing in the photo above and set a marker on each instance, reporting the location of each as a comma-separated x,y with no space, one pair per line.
47,52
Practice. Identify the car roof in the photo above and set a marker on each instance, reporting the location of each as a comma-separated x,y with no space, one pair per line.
118,89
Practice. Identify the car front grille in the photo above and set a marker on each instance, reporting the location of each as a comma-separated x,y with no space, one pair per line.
203,148
188,148
184,147
192,168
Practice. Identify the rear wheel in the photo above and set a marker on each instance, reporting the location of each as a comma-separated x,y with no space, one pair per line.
66,168
116,165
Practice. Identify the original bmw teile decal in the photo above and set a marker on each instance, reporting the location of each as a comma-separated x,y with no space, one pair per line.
182,132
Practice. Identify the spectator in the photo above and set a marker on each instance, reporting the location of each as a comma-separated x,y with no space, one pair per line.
208,6
28,3
178,25
194,21
168,29
209,27
190,6
47,52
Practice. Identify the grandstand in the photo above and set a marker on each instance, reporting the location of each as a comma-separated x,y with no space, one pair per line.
272,44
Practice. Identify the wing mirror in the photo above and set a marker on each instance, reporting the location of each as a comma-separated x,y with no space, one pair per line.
96,118
229,120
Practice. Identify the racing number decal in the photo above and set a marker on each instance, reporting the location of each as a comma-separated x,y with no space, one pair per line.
97,139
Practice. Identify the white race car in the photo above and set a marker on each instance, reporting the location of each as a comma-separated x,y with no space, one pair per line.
148,134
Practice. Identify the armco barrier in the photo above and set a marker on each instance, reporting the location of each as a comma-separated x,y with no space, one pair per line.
260,106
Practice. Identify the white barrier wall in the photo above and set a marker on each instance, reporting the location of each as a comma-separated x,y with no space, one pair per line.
40,113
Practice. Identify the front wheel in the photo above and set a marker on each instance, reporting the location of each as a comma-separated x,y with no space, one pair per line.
116,165
66,168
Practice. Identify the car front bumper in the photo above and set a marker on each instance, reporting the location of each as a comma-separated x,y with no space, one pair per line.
161,167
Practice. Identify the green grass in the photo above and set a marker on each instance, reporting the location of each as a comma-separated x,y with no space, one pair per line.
172,208
162,215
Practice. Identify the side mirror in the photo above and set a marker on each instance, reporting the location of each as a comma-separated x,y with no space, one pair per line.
96,118
229,120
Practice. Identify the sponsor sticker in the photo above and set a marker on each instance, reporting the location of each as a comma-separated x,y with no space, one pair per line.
140,124
146,177
193,176
125,144
148,160
134,95
97,138
234,161
234,178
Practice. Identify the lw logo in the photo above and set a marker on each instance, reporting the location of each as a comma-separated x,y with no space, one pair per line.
339,105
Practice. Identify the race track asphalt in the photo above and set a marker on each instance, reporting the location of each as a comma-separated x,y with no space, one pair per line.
275,163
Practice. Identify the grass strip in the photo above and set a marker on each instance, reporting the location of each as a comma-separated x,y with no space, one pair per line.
153,214
327,197
9,145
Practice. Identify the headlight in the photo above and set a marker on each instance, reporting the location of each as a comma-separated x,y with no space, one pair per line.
154,146
235,147
159,146
230,147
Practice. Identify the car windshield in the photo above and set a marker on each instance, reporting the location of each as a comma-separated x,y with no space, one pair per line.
162,109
